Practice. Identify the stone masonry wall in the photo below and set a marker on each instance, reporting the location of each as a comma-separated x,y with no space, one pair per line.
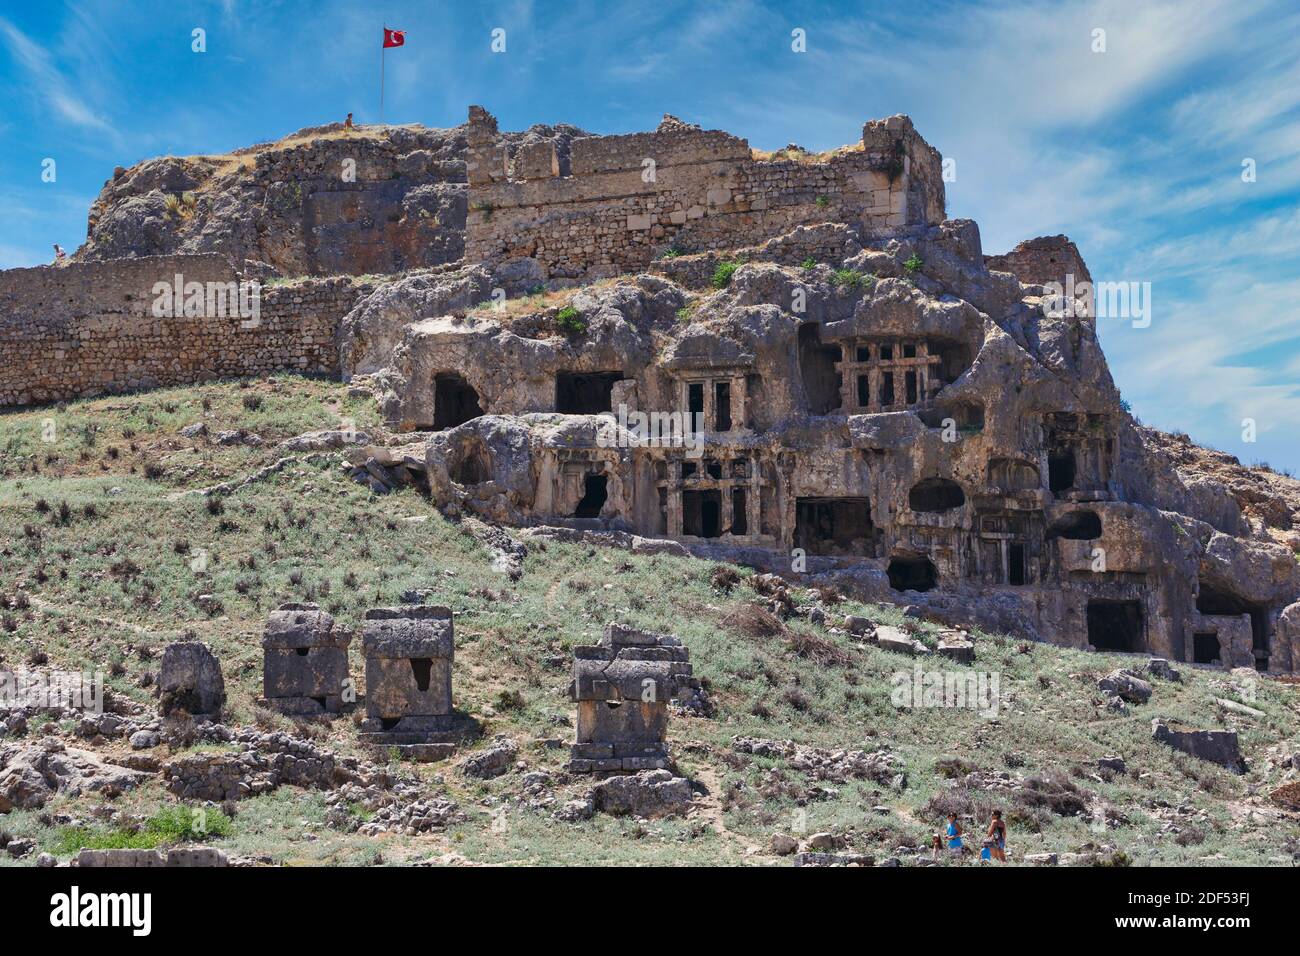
616,212
88,328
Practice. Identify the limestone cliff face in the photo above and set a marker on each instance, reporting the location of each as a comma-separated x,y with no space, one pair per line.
322,201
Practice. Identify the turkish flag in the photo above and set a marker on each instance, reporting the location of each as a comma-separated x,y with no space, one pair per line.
394,37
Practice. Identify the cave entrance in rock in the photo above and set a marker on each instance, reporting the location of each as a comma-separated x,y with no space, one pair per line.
1218,600
912,573
595,493
1077,526
702,513
585,393
473,466
1116,626
1205,648
935,494
840,526
821,382
454,401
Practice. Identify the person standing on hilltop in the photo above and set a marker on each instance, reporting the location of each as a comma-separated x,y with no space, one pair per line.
347,123
954,835
998,835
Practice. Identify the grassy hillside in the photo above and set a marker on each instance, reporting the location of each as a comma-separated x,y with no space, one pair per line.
99,534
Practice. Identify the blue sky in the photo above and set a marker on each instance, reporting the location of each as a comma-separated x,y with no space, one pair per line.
1135,153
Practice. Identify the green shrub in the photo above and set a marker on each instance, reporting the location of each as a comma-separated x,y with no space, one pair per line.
723,273
822,202
913,263
809,263
850,279
569,321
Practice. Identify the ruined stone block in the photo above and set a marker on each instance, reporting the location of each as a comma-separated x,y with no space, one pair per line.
409,653
304,660
1216,746
622,687
189,679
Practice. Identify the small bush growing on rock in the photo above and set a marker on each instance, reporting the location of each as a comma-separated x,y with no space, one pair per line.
913,263
723,273
809,264
569,321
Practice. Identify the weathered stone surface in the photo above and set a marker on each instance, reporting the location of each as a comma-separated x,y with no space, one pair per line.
31,774
1216,746
1126,685
189,679
492,762
652,793
304,660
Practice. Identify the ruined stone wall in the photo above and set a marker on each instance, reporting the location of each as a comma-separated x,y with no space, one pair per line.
88,328
629,198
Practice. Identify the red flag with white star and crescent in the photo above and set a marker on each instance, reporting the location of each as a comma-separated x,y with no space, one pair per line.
394,37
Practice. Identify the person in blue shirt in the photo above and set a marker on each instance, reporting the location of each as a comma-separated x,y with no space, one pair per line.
954,835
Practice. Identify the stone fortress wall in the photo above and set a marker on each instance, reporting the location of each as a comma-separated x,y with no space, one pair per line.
627,199
88,328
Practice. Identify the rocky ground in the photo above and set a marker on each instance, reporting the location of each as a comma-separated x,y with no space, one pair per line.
112,544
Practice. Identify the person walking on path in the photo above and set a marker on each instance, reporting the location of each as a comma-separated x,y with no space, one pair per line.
998,836
954,835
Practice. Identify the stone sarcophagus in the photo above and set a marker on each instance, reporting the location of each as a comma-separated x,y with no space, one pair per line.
623,687
304,661
409,653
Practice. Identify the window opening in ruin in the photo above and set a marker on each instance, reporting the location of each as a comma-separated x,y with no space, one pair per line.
421,668
886,353
935,494
663,511
454,401
713,467
910,379
722,406
688,469
864,353
840,526
1016,573
821,381
739,520
1220,601
1077,526
864,390
1060,470
702,513
912,573
909,350
886,388
388,723
1115,626
302,651
585,393
1205,648
695,403
595,492
320,701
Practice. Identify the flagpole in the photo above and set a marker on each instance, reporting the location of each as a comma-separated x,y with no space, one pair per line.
382,49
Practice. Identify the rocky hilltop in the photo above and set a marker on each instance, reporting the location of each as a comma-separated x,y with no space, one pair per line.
862,396
506,428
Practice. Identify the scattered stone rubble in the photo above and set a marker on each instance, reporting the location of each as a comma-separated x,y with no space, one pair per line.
836,766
